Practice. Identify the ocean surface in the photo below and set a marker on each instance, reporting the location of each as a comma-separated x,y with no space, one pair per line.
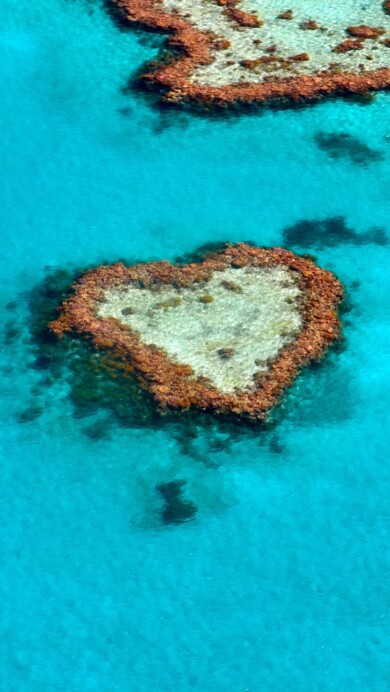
281,579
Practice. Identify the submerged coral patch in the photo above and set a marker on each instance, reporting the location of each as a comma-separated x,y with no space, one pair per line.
330,232
228,51
176,509
271,313
343,145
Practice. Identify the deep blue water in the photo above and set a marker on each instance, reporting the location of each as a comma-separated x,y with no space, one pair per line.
281,581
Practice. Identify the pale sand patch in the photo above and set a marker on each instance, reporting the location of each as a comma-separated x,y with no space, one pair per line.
287,36
255,317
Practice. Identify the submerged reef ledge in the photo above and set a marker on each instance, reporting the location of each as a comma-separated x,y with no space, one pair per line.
221,52
226,335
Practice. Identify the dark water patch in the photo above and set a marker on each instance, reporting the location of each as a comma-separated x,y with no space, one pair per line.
12,305
354,285
160,120
347,305
365,98
48,352
44,300
126,111
99,430
176,509
116,15
7,369
39,388
30,413
85,393
11,332
41,362
349,311
89,5
331,232
149,40
341,346
168,119
341,145
204,438
276,446
323,394
46,381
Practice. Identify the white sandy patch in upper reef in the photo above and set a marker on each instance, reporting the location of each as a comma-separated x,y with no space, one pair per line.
255,317
287,36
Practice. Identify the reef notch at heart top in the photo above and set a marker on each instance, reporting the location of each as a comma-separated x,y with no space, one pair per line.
222,52
225,335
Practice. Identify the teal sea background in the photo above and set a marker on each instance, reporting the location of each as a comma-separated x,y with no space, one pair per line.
281,581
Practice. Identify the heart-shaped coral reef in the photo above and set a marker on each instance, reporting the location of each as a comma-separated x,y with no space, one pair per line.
227,334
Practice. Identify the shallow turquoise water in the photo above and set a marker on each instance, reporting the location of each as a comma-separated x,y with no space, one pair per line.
280,582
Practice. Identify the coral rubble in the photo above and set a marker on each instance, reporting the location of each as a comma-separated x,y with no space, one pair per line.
271,312
218,49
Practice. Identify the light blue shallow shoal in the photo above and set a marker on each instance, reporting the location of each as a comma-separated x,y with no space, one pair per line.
281,581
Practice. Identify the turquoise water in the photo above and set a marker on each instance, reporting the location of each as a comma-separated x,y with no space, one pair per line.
281,580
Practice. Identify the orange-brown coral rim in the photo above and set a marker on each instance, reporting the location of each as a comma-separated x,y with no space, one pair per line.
194,46
172,384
